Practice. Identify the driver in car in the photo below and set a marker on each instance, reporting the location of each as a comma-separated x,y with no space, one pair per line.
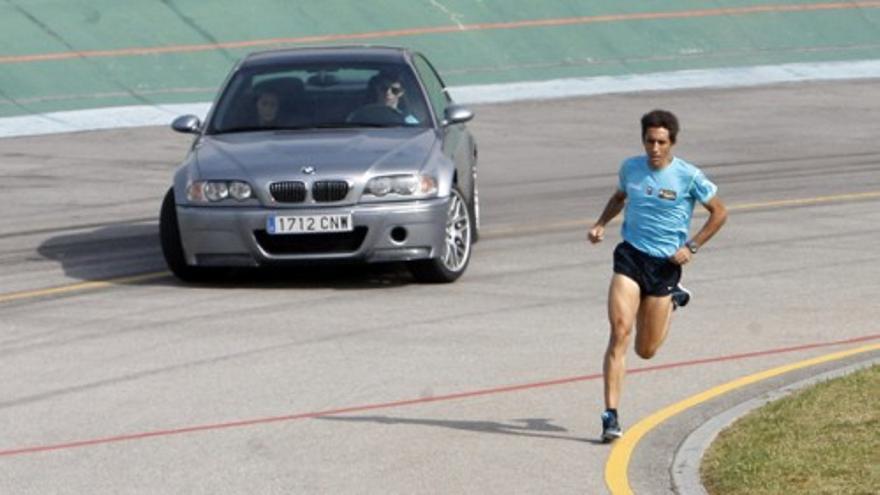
388,93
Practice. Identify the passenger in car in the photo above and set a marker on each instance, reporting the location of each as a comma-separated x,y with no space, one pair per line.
279,103
268,105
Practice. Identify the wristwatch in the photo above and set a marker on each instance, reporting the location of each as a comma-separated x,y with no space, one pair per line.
693,246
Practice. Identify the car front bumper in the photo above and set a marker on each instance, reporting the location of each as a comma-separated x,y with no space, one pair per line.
236,236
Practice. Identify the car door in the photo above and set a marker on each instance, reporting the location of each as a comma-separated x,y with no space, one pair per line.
457,142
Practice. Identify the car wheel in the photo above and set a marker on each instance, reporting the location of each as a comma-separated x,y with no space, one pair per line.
475,209
456,251
172,249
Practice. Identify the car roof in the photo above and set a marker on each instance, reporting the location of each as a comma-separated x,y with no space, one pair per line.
327,54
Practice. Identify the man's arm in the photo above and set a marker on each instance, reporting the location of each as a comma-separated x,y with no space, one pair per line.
612,209
717,217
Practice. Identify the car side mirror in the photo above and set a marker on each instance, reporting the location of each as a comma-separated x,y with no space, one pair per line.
456,114
189,124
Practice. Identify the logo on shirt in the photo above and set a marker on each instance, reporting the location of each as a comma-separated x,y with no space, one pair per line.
649,191
667,194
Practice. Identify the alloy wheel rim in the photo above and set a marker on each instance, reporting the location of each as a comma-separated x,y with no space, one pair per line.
458,234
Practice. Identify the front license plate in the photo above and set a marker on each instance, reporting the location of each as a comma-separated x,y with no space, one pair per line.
306,224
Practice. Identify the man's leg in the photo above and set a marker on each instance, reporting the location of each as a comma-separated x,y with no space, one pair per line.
623,305
654,318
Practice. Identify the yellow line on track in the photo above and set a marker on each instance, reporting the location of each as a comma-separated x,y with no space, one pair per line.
96,284
808,201
618,461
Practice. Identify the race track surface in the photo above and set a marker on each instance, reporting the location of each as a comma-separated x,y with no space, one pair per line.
361,381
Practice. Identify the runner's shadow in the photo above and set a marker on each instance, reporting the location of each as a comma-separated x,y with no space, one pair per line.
530,427
596,441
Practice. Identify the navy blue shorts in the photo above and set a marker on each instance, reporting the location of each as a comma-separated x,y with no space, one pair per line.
655,276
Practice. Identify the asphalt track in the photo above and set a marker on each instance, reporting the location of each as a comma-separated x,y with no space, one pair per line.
118,379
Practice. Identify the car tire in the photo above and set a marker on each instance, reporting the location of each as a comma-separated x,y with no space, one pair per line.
456,253
172,248
475,210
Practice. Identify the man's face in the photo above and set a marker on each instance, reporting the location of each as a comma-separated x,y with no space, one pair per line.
389,93
658,146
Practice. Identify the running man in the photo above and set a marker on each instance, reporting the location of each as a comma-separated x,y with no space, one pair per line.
658,191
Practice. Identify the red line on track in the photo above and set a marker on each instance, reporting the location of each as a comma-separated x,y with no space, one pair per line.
388,405
564,21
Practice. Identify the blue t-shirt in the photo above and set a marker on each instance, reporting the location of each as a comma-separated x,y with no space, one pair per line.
660,203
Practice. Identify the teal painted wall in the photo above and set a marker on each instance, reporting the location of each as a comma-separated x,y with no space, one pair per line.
638,37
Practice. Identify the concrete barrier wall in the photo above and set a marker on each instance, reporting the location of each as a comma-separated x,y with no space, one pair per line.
74,54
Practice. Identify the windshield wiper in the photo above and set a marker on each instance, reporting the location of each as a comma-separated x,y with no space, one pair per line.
327,125
251,128
336,125
234,130
364,124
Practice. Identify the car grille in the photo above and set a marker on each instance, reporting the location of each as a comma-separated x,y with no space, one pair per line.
329,190
288,192
335,242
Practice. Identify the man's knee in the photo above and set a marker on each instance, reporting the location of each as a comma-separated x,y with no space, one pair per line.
619,339
621,326
646,352
648,343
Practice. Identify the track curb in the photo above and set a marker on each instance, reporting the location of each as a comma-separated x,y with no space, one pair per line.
685,469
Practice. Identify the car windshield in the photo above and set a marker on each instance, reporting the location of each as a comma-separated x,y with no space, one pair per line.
309,96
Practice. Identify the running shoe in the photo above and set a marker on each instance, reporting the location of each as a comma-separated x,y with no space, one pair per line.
610,428
680,297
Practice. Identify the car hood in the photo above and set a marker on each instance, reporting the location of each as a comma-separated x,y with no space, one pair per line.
339,153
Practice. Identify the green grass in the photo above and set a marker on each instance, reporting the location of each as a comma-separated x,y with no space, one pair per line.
822,440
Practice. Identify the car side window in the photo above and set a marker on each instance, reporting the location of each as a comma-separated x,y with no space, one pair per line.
433,85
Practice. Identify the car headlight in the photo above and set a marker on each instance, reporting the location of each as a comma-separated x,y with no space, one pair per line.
216,191
211,191
404,185
240,190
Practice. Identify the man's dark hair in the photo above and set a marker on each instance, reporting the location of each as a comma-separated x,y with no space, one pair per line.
660,118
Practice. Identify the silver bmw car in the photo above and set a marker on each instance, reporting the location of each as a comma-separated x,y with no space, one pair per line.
332,153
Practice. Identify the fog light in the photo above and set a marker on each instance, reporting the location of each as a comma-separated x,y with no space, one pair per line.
398,234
